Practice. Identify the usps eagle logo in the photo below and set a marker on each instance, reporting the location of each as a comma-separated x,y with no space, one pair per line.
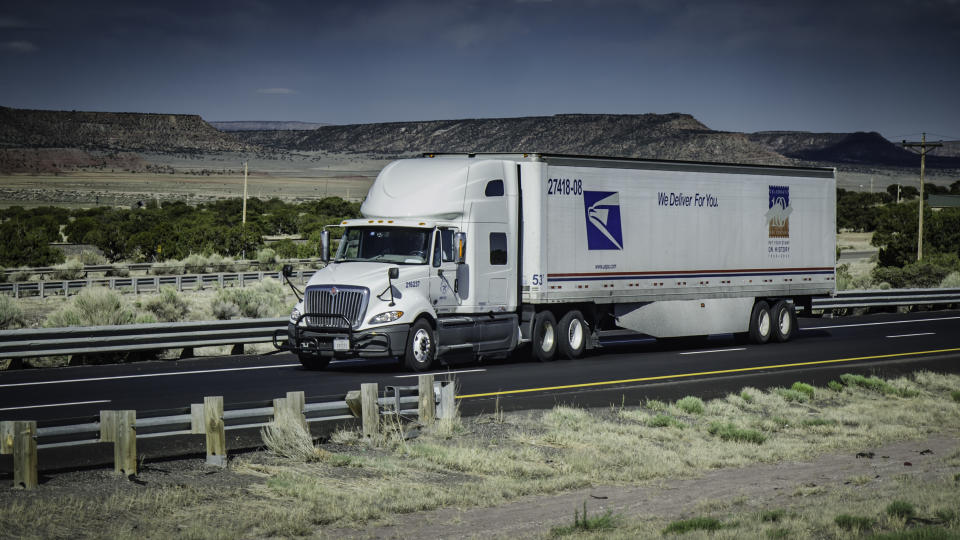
778,213
602,210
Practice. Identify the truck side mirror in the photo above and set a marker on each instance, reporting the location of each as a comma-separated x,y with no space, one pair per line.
325,246
393,273
287,270
460,243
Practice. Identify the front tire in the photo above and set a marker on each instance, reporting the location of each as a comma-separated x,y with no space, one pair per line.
573,332
313,362
784,321
421,349
544,336
761,323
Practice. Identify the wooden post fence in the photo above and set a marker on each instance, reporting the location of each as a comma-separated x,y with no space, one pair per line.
214,428
20,439
426,403
370,409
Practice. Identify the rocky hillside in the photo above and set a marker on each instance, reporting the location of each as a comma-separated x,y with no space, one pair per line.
24,128
666,136
257,125
859,148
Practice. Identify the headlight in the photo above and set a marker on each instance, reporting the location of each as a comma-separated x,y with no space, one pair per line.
386,317
295,314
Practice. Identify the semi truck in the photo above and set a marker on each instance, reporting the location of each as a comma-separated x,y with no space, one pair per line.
487,254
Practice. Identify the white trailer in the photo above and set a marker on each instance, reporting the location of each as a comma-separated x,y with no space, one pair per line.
485,253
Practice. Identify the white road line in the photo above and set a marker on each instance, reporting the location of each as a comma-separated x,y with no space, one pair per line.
441,373
911,335
879,323
716,350
199,371
55,405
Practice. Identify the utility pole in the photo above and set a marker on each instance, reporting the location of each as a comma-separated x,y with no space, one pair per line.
243,219
924,148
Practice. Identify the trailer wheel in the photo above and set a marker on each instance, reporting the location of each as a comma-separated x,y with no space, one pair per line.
761,325
572,331
545,336
421,347
784,321
313,362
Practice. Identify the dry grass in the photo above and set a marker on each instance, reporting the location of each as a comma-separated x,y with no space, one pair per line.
485,462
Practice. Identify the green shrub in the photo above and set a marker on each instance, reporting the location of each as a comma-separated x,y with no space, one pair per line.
657,405
268,259
835,386
604,522
195,264
819,422
95,306
119,270
746,396
224,310
169,267
853,523
789,394
11,316
72,269
3,275
693,524
167,306
665,420
955,395
730,432
875,384
772,516
901,509
21,274
952,281
262,300
690,405
218,263
803,388
92,258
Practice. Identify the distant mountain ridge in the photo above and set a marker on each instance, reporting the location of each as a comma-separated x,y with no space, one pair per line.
25,128
656,136
265,125
858,148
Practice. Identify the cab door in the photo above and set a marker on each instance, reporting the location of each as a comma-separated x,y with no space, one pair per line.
444,285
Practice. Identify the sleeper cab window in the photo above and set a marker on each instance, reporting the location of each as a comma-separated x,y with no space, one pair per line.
498,248
494,188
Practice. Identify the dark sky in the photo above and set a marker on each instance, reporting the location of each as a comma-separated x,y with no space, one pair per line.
815,65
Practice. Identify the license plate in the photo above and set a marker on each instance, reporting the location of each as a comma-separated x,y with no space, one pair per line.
341,344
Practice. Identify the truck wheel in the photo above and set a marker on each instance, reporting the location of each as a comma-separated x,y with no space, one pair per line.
784,321
421,347
313,362
572,331
760,324
544,336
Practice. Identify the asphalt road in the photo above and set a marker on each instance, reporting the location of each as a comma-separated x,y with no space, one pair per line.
823,349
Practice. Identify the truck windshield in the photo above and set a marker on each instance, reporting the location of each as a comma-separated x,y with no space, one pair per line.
388,244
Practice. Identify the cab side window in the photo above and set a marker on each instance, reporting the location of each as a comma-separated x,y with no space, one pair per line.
494,188
498,248
443,247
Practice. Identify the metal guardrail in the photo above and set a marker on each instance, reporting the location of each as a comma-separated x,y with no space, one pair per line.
97,339
123,428
137,267
138,284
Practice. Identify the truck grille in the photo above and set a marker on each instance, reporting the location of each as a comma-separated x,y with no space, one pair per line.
351,302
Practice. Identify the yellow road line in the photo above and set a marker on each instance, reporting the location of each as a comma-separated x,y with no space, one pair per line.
718,372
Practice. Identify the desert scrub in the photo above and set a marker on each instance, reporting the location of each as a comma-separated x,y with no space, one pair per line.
952,281
268,259
167,306
92,258
195,264
690,405
169,267
265,299
97,306
218,263
20,274
71,269
290,439
11,316
693,524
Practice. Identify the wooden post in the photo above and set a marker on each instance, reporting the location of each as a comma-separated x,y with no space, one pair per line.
352,400
125,443
25,454
196,419
370,409
295,404
448,406
108,426
6,437
426,402
216,437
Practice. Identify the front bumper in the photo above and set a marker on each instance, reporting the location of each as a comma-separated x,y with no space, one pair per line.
385,341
